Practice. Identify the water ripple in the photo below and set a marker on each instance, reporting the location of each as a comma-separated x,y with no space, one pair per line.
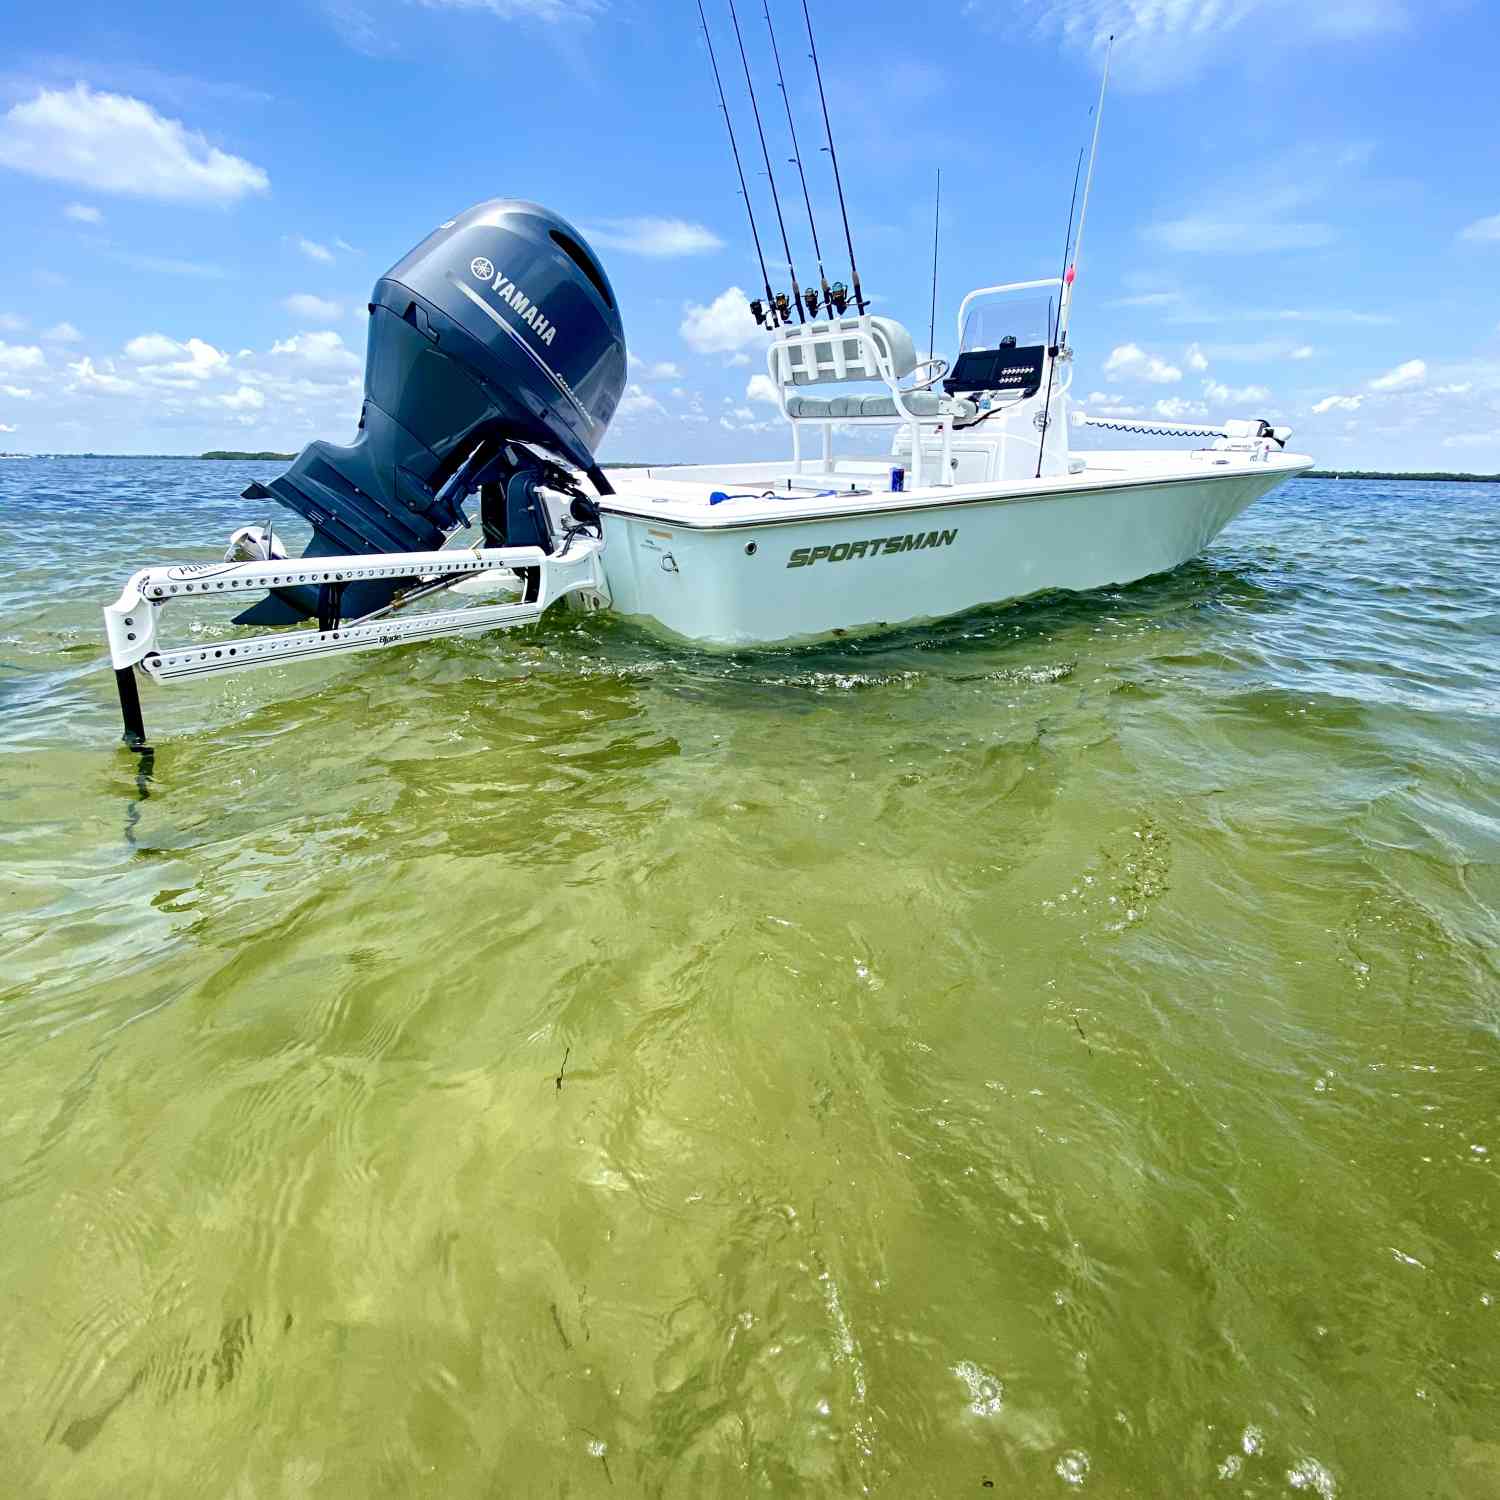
1051,1048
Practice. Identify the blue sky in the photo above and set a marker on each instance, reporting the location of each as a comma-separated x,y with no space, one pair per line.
1296,213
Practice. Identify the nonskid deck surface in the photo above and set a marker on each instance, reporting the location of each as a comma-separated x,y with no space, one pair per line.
735,495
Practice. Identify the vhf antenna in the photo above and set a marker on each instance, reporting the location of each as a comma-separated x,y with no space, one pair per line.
859,296
765,316
1053,323
775,197
937,205
809,296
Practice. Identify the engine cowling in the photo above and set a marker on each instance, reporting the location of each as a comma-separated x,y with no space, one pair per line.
499,328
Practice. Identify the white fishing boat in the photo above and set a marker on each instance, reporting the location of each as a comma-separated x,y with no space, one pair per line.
496,358
980,499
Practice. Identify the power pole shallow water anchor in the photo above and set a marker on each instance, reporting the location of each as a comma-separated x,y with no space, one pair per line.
134,736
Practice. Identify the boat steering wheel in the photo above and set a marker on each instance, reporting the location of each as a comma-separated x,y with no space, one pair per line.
939,368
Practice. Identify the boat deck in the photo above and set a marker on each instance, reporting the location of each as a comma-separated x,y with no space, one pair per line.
758,493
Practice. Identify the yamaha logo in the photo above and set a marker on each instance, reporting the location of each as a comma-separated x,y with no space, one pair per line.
513,297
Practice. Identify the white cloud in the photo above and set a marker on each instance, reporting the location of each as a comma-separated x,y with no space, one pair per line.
61,333
7,427
246,398
743,419
1158,43
739,358
1215,391
1302,351
1472,440
1273,204
762,388
325,350
12,322
723,326
659,238
1338,403
1179,409
89,377
304,385
312,309
1146,299
1413,372
163,361
1195,358
1131,361
21,357
304,369
658,369
1461,388
346,247
1485,231
1192,310
1207,233
314,251
83,213
115,144
1109,404
16,392
149,346
637,401
1338,315
358,29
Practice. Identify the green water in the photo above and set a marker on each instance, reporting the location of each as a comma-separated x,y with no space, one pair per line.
1054,1052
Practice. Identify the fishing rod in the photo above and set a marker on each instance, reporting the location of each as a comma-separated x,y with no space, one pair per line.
859,296
786,99
764,315
775,197
1067,243
937,204
1054,323
1065,310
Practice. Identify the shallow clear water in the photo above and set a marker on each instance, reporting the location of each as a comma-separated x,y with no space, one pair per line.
1057,1049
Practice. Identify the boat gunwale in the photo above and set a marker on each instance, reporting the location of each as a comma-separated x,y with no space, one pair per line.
1281,470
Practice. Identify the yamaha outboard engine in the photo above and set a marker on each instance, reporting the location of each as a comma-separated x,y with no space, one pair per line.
499,330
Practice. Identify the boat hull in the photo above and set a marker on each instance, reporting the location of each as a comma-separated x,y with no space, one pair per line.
780,582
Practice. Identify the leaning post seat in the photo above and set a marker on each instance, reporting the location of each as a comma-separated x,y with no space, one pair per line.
860,349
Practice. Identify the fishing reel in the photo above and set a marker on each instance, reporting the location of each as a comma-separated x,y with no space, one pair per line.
763,318
783,305
838,298
810,301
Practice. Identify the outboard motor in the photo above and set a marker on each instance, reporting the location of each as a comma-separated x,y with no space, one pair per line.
499,330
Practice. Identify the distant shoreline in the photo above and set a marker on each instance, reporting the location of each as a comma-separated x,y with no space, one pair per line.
230,453
1434,475
185,457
